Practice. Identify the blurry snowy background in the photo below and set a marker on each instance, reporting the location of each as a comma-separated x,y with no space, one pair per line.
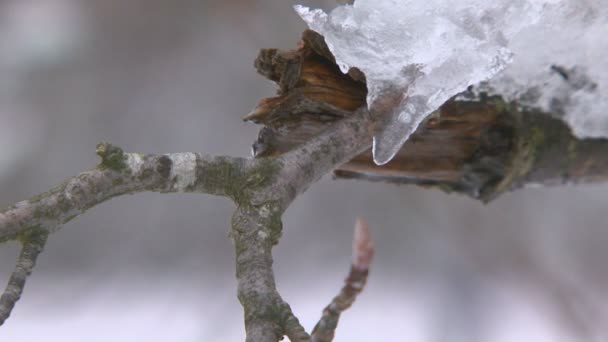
165,76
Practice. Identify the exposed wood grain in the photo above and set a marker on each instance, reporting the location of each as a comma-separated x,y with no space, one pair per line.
477,145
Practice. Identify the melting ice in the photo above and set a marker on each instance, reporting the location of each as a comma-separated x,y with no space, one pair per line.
549,54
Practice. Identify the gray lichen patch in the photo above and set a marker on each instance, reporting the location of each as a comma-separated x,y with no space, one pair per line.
135,162
183,170
247,183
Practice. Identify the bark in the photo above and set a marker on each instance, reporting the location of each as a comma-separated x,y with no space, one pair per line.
363,251
261,189
121,173
32,245
475,145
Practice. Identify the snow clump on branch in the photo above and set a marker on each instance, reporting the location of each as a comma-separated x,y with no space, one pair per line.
546,54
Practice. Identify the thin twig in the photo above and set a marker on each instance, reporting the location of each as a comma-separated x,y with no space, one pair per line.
363,252
33,244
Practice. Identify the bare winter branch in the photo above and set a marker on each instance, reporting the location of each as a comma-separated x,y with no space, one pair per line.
33,243
328,150
315,125
256,225
118,174
363,246
262,189
363,252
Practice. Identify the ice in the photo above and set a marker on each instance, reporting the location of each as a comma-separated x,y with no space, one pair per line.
562,66
546,53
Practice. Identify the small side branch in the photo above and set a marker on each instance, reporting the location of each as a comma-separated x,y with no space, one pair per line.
363,252
121,173
33,244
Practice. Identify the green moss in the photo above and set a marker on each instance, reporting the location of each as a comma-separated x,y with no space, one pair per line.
24,234
112,157
530,141
223,176
31,234
572,152
8,238
211,176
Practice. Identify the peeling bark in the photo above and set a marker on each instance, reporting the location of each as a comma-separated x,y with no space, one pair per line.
480,146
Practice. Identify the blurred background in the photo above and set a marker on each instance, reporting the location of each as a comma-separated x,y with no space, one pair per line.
166,76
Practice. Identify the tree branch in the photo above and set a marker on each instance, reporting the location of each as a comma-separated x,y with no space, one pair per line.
319,122
32,245
256,224
118,174
262,190
363,252
331,148
479,146
267,316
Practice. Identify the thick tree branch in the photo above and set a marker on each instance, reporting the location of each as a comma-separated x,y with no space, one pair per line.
476,145
486,147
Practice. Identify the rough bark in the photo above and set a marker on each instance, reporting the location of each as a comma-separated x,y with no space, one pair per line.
121,173
261,189
32,245
476,145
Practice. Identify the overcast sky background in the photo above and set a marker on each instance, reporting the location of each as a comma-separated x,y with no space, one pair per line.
158,76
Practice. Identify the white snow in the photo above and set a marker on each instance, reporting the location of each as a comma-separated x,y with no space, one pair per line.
548,54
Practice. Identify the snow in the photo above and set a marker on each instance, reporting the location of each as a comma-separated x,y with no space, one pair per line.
547,54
